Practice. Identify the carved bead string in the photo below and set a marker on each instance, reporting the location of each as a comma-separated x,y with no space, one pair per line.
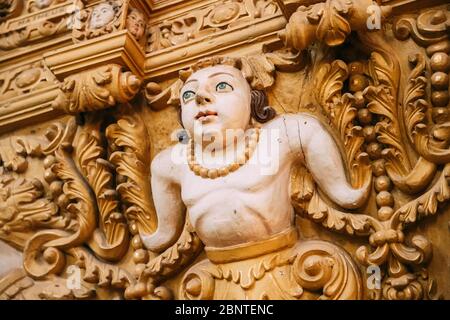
440,65
197,169
383,184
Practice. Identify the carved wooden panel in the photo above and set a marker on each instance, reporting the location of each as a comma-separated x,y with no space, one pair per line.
93,98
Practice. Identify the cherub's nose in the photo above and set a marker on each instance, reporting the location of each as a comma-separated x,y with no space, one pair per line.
203,97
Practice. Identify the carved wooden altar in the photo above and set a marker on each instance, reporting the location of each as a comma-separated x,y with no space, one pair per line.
90,94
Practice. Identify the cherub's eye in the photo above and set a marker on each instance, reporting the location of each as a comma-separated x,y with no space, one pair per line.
188,95
224,87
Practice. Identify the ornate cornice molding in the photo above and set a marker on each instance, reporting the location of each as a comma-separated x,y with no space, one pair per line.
398,6
119,48
249,38
27,92
29,109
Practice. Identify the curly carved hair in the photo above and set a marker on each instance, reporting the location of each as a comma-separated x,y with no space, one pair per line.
260,111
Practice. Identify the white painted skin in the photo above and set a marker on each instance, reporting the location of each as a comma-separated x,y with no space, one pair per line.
101,15
10,259
245,205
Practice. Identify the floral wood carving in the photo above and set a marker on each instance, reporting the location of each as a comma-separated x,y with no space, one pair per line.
205,21
97,89
36,25
24,208
25,79
110,240
37,5
315,266
430,30
10,9
384,123
93,201
133,167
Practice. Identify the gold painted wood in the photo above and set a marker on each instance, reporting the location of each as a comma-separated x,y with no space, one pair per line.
84,110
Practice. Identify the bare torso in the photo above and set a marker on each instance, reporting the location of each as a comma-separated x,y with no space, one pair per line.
247,205
253,202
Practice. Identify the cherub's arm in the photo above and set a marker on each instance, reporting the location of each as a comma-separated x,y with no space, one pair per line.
309,140
168,204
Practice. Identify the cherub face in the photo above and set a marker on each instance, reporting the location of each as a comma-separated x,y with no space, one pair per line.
101,15
216,98
136,24
41,4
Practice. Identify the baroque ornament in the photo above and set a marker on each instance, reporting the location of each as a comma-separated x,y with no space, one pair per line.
207,20
35,26
342,152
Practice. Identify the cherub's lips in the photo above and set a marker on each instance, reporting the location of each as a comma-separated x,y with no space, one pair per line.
205,114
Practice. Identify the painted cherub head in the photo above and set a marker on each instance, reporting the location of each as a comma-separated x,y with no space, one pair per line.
136,23
102,15
218,96
41,4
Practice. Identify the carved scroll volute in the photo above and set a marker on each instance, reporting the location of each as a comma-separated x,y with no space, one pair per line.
44,252
97,89
330,22
324,267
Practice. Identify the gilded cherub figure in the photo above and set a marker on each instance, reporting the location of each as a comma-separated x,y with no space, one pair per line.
238,208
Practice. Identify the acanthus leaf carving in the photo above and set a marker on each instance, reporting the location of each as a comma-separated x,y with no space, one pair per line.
333,28
133,169
97,89
79,204
381,97
110,240
342,111
100,273
23,208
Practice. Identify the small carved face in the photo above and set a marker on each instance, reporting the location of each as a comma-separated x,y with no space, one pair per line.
216,98
136,24
41,4
101,15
